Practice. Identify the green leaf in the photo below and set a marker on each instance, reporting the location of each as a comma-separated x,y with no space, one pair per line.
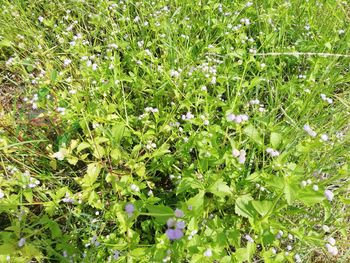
263,207
290,192
5,43
197,201
92,173
188,183
275,139
244,207
161,212
82,146
253,134
310,197
220,188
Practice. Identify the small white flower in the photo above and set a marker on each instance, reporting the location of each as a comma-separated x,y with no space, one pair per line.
303,183
315,187
66,62
249,238
41,19
297,258
329,195
325,228
289,247
333,250
274,251
134,187
324,137
21,242
2,194
331,241
58,155
94,66
308,129
208,253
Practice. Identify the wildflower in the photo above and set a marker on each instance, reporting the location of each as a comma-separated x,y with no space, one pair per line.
94,66
129,209
188,116
329,195
66,62
297,258
241,155
21,242
272,152
308,129
174,234
179,213
60,154
315,187
325,228
171,222
68,199
331,241
235,153
41,19
249,238
116,254
180,225
289,247
1,194
333,250
134,187
324,137
208,253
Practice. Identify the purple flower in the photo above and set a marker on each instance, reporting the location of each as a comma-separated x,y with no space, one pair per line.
329,195
174,234
129,208
180,225
179,213
171,222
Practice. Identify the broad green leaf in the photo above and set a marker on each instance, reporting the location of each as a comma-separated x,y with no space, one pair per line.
275,139
263,207
220,188
253,134
82,146
244,207
92,173
188,183
161,213
310,197
197,201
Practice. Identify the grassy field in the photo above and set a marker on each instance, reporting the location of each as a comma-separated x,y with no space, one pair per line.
174,131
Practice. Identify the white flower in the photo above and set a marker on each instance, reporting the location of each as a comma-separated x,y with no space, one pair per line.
324,137
297,258
333,250
134,187
66,62
1,194
303,183
308,129
235,153
249,238
315,187
59,155
208,253
206,122
21,242
41,19
331,241
325,228
289,247
231,117
329,195
94,66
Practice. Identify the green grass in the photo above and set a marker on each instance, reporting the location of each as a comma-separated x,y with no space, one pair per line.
115,114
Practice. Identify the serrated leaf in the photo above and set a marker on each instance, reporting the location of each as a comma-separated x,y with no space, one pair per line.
244,207
253,134
263,207
220,188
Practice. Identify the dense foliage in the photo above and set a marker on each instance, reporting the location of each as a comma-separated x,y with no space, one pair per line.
174,131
